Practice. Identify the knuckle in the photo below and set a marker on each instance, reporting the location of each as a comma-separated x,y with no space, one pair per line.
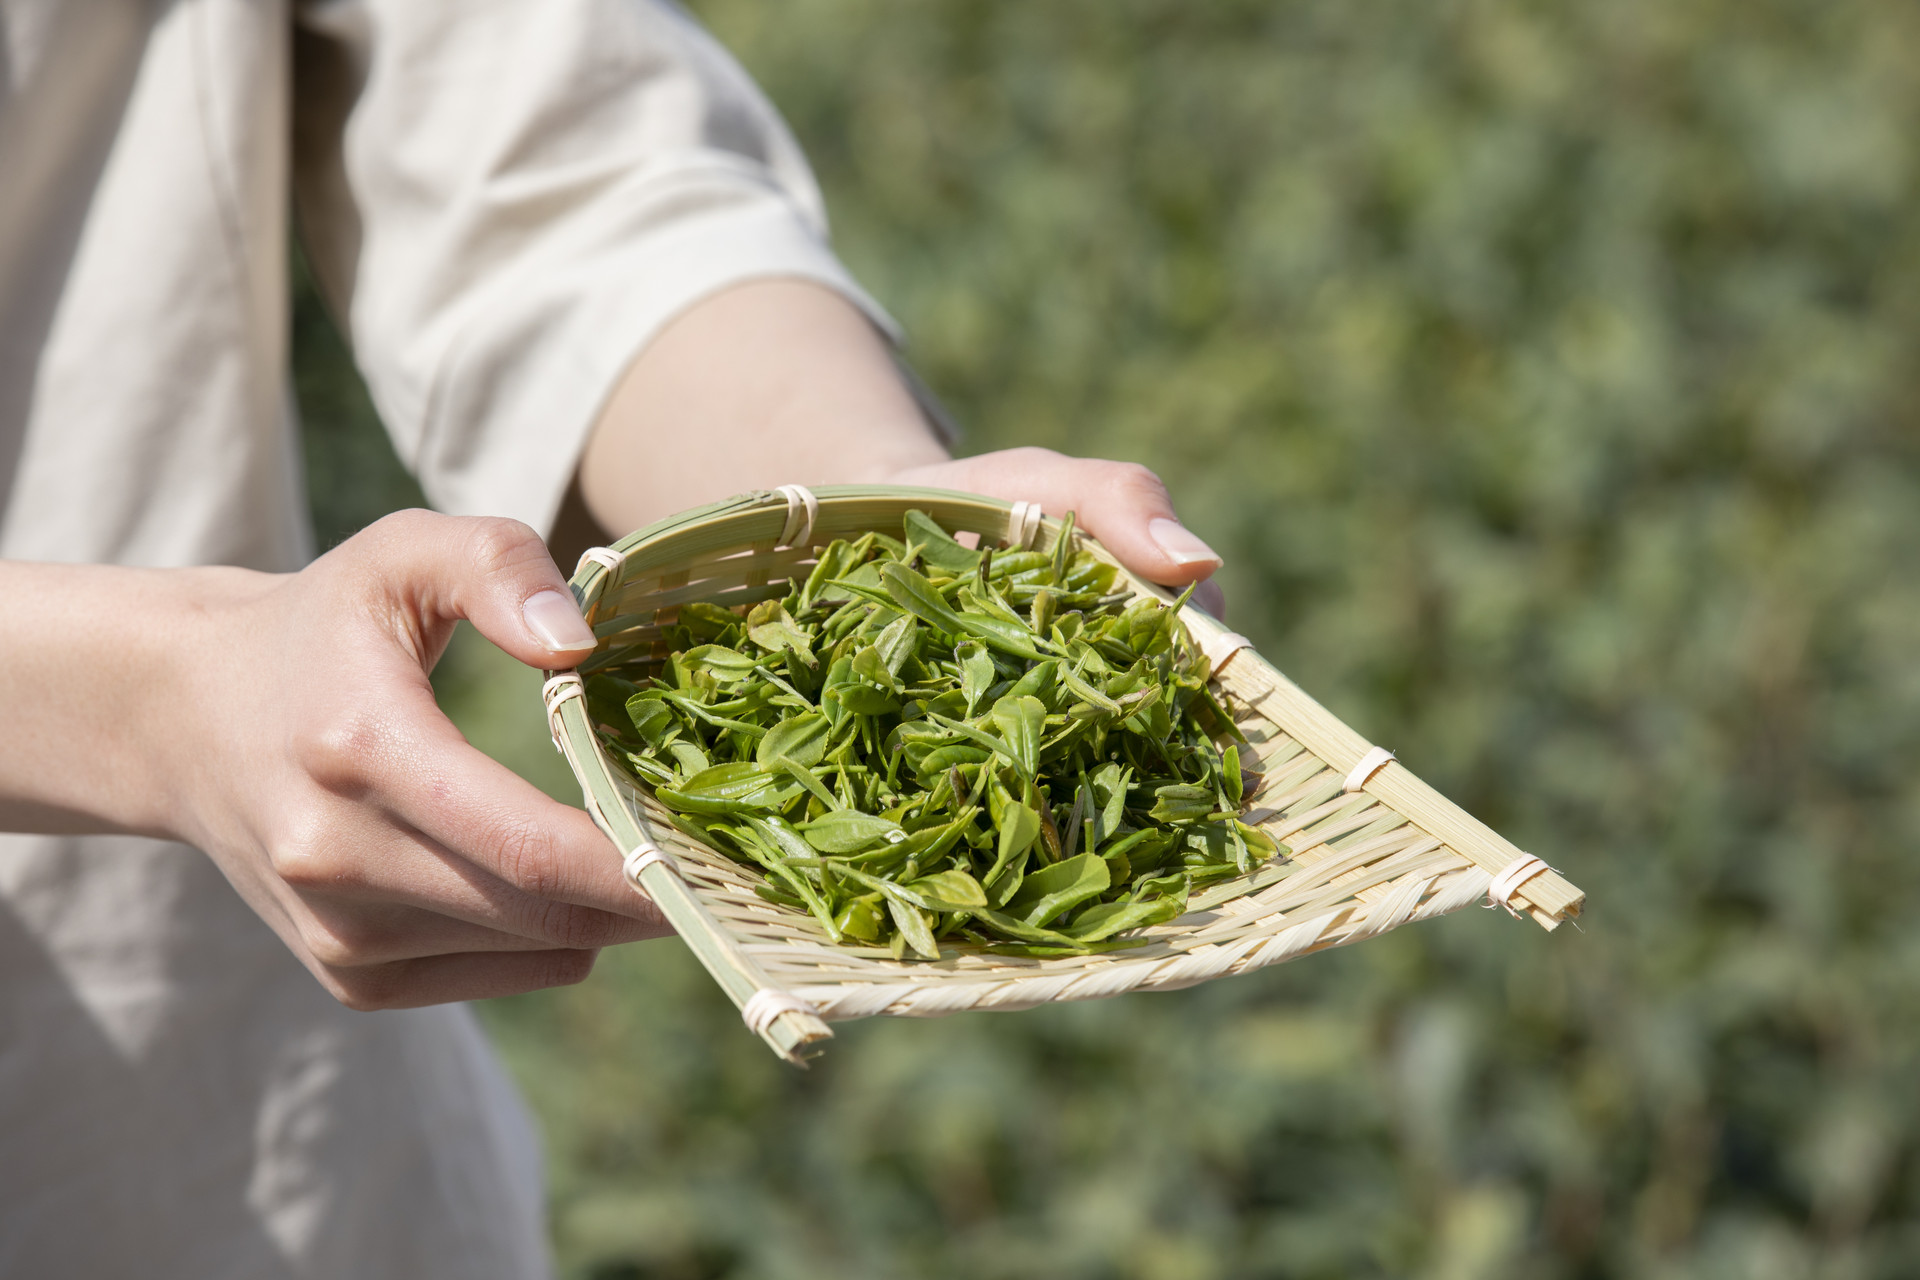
342,944
392,533
363,989
566,968
500,545
1135,482
579,928
1029,456
529,861
363,993
405,523
338,751
304,857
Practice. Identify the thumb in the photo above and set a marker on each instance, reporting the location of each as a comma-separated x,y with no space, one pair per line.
494,572
1123,504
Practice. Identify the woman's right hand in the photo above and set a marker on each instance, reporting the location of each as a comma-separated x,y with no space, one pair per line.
285,725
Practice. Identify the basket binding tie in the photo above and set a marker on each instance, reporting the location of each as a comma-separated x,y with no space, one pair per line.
640,858
768,1003
1371,763
802,510
1220,648
557,689
606,557
1023,525
1507,883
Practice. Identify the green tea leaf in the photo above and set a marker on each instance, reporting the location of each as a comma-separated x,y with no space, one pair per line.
865,700
770,626
1044,603
915,928
899,641
1063,545
937,547
805,777
941,759
1003,884
858,586
651,718
1019,719
1019,827
709,622
999,746
1014,927
1110,790
834,561
1104,920
863,919
729,789
871,668
914,594
778,833
607,697
1259,842
802,739
726,665
1007,564
1053,891
949,891
1086,692
928,845
849,831
976,672
688,758
1182,802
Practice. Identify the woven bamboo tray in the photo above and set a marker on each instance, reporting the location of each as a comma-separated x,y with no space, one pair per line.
1366,845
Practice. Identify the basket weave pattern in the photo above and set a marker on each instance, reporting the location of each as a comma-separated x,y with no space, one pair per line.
1365,850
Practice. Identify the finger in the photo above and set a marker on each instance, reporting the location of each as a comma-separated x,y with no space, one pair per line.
342,932
406,760
393,894
411,984
495,573
1122,504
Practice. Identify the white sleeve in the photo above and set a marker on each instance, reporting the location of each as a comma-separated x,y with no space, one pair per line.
506,199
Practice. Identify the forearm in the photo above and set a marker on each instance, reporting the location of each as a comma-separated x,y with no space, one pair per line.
780,382
89,668
772,382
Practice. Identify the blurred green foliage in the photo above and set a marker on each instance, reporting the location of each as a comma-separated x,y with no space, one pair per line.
1546,374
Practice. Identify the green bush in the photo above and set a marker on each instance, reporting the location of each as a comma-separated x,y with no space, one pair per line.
1546,374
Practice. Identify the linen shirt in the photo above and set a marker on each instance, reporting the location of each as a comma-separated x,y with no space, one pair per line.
503,199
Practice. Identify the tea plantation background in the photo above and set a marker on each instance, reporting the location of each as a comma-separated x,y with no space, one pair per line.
1547,374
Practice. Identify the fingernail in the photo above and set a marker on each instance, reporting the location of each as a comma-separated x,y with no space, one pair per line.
556,620
1180,543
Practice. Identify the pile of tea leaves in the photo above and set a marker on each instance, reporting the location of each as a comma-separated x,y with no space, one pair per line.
925,742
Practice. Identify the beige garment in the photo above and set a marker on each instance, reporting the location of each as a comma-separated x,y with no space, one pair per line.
506,198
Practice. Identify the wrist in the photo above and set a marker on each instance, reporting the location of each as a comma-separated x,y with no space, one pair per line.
194,682
98,671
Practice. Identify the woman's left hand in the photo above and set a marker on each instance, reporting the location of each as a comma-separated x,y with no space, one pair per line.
1123,504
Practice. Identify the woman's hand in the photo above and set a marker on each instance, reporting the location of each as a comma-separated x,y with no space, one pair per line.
1122,504
402,866
285,725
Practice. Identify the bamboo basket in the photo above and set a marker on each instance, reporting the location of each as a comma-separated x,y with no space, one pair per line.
1366,845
